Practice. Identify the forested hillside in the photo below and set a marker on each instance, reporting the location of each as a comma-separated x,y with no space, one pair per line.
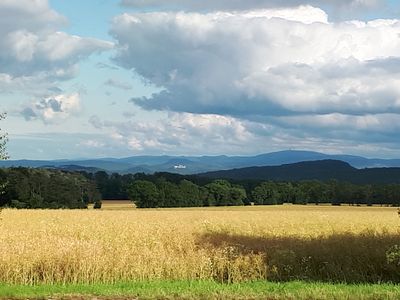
312,170
196,164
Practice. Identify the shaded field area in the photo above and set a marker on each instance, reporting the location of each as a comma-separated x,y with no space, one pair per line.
222,245
202,290
343,257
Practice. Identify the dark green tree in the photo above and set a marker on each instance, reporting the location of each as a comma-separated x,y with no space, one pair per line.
97,204
266,194
144,194
222,193
43,188
189,194
237,195
168,193
218,192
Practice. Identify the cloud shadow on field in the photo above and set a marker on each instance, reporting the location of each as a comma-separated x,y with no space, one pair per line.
347,258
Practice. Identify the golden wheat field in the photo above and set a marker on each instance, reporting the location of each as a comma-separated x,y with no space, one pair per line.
346,244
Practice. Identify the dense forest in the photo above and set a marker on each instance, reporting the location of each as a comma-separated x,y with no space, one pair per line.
46,188
173,190
323,170
50,188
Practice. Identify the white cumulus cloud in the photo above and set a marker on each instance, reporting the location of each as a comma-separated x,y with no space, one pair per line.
177,133
53,109
33,48
289,74
264,62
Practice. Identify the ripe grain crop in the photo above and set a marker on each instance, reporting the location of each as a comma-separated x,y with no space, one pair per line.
336,244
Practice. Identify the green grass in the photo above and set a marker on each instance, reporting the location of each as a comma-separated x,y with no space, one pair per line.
204,290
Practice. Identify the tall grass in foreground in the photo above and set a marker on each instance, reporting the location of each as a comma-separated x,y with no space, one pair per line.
272,243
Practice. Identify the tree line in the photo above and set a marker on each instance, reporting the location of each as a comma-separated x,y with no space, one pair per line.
162,193
49,188
46,188
174,190
318,192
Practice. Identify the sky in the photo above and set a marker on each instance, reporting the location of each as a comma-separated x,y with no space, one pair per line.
117,78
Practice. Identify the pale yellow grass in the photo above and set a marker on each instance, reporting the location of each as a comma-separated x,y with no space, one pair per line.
86,246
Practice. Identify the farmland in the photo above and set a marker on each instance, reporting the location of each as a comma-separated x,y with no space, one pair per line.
225,245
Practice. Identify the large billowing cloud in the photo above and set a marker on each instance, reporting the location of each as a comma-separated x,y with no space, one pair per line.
269,62
286,72
33,50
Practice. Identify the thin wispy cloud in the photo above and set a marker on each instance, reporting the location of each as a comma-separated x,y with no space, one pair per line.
118,84
249,4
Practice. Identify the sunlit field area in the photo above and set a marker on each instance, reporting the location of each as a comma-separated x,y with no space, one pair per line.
228,245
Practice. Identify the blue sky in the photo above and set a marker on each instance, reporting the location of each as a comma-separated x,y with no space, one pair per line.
115,78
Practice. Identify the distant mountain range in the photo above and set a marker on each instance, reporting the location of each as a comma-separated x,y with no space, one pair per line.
312,170
198,164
